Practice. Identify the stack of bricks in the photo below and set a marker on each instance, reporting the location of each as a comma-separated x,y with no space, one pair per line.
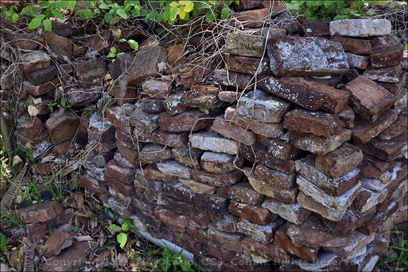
304,167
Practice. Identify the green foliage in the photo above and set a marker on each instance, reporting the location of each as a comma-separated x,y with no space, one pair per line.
173,261
398,261
52,105
333,10
73,228
3,248
107,11
112,54
132,43
123,236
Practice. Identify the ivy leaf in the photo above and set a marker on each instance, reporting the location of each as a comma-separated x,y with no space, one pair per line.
108,17
173,13
115,228
88,14
209,17
166,14
182,14
103,5
47,25
57,14
151,15
14,18
126,225
122,13
122,238
133,44
136,11
72,5
36,22
225,12
188,6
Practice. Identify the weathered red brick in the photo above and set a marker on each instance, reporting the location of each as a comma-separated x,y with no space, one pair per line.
41,212
371,106
158,89
385,55
274,177
314,122
232,131
340,161
173,220
265,253
364,130
260,128
284,241
179,191
305,93
353,45
186,121
387,150
219,163
117,186
216,179
317,144
253,18
253,213
242,192
230,241
258,153
152,153
247,65
396,129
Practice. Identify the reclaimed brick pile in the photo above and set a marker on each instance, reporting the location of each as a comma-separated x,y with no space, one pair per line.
293,153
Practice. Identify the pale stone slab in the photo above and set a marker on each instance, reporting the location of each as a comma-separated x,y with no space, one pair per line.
357,243
198,187
261,234
245,45
337,203
173,168
213,142
332,186
360,27
317,144
325,261
291,212
262,107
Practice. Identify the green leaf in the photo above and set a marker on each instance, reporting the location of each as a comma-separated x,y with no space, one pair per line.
209,17
88,14
47,25
133,44
189,5
126,225
166,14
225,12
57,14
113,49
109,16
122,13
173,13
338,17
63,103
61,4
151,15
115,227
159,18
136,11
103,5
72,5
14,18
165,265
111,55
122,238
36,22
371,12
196,11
